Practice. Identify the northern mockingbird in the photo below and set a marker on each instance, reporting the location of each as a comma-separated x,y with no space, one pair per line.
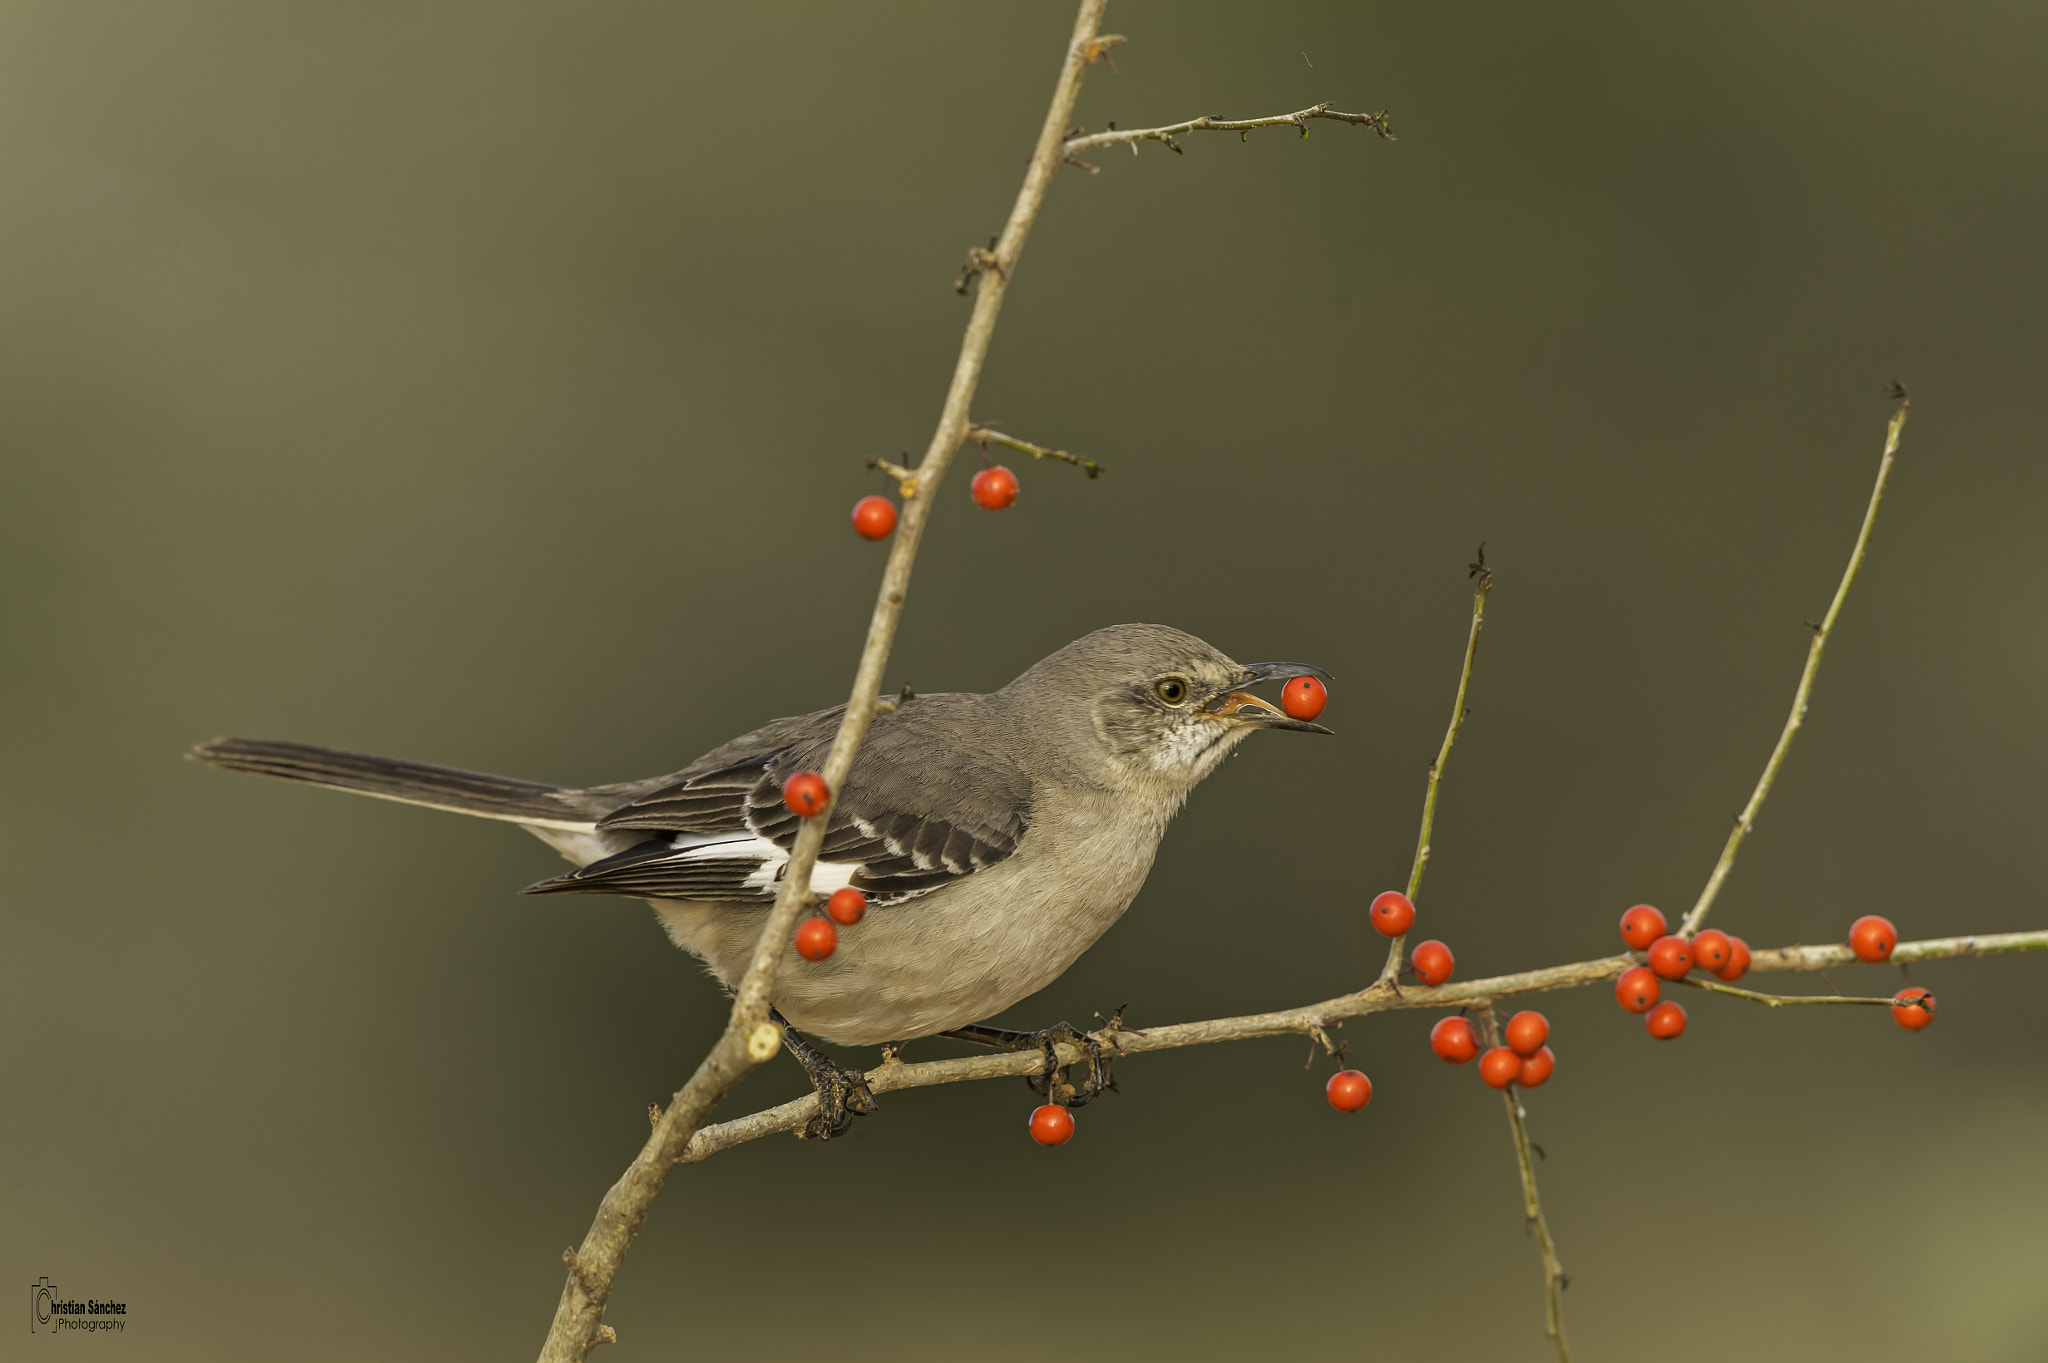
996,836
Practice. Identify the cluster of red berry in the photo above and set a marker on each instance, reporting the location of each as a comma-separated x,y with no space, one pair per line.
1391,915
807,794
1670,957
995,487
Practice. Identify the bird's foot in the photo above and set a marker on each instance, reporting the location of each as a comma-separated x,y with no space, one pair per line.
842,1093
1097,1049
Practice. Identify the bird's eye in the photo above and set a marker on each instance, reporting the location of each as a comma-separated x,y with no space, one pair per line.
1173,690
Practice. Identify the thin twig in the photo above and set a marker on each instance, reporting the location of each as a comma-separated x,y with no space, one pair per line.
1776,1000
1171,133
1483,584
985,433
1554,1279
1747,819
1300,1021
750,1038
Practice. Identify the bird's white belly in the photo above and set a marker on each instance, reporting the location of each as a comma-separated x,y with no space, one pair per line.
959,955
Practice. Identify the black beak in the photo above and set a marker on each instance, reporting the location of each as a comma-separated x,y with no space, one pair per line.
1249,709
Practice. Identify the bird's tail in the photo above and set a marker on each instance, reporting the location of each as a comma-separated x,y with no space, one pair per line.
414,783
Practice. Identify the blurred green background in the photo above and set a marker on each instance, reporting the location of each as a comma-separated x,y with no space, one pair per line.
489,383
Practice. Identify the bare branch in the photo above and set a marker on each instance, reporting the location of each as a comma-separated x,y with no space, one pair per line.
1302,1022
1747,819
1554,1278
1776,1000
984,433
1170,134
1483,583
750,1038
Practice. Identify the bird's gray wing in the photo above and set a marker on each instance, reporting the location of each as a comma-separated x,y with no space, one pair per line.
929,801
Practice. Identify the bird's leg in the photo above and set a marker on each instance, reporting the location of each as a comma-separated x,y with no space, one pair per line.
1052,1083
842,1093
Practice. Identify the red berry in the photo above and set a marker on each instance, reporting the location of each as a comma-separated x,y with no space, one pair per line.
1348,1090
1637,989
874,518
1304,697
1432,962
1671,957
1526,1032
1913,1008
1872,938
1392,914
1500,1067
1738,961
1052,1125
806,793
815,939
847,906
1712,950
994,488
1537,1068
1666,1020
1641,926
1452,1040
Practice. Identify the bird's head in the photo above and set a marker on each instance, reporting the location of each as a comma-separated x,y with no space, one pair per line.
1152,705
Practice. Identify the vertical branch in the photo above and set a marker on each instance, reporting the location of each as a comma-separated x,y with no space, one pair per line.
1483,585
1747,819
750,1039
1555,1279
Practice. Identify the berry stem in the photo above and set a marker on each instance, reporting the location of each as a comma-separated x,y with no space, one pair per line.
984,434
1554,1277
1482,585
1747,819
1774,1000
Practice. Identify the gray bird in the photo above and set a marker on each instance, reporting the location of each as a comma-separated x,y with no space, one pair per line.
996,836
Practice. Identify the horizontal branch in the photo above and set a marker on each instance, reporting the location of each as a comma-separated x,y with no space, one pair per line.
1777,1000
894,1075
1171,133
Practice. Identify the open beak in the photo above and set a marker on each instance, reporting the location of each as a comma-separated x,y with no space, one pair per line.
1241,707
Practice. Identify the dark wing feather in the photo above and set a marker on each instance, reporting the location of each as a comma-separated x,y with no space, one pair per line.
930,800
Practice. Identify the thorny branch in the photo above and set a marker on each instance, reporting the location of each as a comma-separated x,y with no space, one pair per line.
750,1038
1555,1279
1482,584
1170,134
1800,697
1376,998
984,434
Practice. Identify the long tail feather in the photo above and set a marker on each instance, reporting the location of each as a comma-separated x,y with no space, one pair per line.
413,783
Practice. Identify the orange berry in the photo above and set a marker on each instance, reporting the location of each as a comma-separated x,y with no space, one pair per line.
1432,962
874,518
816,939
1537,1068
1500,1067
806,793
1052,1125
1671,957
1641,926
1712,949
1452,1040
1304,697
994,488
1637,989
1526,1032
1666,1021
1738,961
1913,1008
1392,914
1872,938
1348,1090
847,906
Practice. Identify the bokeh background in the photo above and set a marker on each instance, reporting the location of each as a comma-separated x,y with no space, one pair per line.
489,383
